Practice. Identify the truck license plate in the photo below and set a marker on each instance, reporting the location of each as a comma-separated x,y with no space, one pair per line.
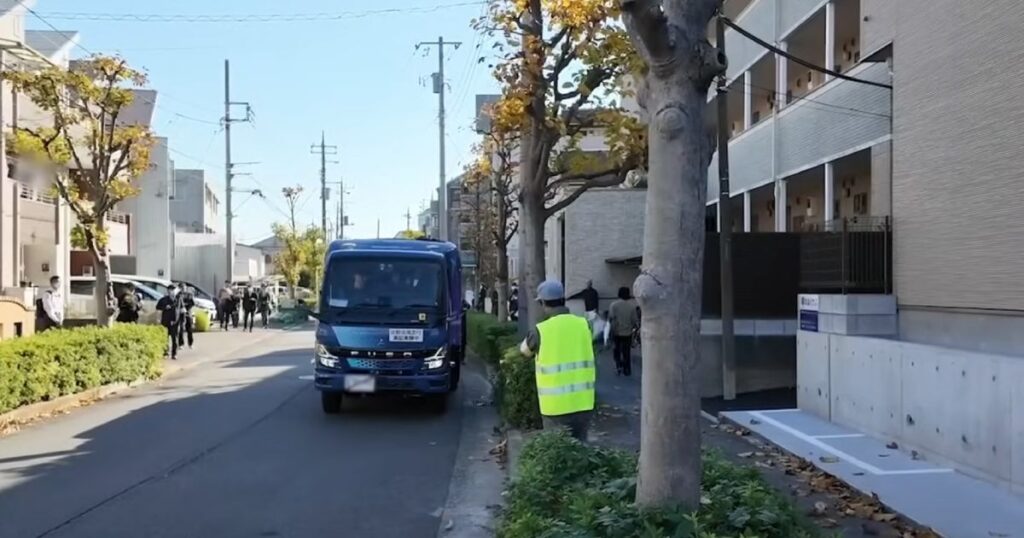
360,383
405,335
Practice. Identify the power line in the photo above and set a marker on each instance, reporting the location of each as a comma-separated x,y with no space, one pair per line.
728,22
253,17
811,101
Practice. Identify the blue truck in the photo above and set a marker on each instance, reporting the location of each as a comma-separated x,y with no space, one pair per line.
390,320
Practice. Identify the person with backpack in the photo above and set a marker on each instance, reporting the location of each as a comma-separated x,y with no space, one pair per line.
170,307
128,305
50,307
249,302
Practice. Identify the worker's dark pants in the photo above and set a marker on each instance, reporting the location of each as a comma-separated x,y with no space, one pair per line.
185,328
576,424
265,317
173,331
622,354
250,318
225,315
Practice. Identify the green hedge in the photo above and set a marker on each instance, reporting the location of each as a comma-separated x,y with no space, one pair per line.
67,361
567,489
487,336
516,391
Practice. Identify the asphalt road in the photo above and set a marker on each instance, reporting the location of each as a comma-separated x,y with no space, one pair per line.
233,447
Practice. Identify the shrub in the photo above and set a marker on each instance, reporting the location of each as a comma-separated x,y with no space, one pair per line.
67,361
202,321
567,489
516,391
486,334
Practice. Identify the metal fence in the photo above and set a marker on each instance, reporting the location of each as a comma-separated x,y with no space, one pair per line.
847,256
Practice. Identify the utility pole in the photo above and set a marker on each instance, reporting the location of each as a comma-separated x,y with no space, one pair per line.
725,234
229,174
341,208
324,150
378,228
408,219
439,90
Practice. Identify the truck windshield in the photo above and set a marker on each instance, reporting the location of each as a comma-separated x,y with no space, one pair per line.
384,283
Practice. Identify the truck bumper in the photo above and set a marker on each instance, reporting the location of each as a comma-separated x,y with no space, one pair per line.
334,381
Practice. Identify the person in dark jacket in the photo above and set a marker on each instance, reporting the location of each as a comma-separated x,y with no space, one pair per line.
591,301
170,308
249,302
187,325
128,305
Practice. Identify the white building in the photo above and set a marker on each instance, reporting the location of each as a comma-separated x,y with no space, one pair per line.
195,207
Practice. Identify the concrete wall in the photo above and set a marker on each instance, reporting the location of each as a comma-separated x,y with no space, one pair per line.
881,179
188,208
877,24
601,224
762,363
954,406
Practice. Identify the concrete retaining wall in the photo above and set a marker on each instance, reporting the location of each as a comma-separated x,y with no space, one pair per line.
956,406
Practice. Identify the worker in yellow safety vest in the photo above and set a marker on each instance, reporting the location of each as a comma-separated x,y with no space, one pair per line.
565,368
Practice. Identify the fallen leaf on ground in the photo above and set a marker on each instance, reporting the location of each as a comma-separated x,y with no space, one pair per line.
916,455
828,523
820,508
754,421
828,459
892,445
883,517
763,465
745,454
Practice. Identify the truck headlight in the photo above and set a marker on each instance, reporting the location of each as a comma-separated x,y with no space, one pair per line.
436,360
325,358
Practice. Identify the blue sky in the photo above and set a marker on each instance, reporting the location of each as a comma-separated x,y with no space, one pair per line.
358,79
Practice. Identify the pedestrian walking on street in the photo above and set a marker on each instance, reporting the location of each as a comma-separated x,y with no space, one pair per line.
591,300
225,301
249,302
128,305
169,307
566,373
187,325
264,305
624,321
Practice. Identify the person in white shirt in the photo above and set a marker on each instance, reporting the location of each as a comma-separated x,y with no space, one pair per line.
50,307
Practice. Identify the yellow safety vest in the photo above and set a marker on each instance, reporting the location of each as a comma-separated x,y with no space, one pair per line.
565,366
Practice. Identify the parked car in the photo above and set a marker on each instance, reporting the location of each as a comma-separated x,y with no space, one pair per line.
82,299
161,285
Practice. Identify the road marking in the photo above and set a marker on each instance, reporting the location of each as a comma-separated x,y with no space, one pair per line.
306,377
761,415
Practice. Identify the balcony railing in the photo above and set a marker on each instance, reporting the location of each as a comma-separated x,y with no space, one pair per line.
847,256
28,193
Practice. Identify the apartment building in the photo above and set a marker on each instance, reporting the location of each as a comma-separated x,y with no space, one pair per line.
937,364
806,148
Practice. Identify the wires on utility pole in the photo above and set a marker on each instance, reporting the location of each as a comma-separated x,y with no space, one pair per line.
324,150
439,87
408,219
228,166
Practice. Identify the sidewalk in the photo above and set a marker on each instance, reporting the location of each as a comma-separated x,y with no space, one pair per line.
952,503
829,503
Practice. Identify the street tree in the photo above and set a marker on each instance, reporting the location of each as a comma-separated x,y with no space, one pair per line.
290,260
671,37
314,245
495,167
560,65
94,156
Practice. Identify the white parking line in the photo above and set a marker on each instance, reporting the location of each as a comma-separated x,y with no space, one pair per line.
839,436
761,415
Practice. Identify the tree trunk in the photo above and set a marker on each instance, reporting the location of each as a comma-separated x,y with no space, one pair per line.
501,282
104,295
531,244
669,288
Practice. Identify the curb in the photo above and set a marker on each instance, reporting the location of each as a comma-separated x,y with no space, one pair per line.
474,493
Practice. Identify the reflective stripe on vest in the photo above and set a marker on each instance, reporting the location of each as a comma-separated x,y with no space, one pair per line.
565,366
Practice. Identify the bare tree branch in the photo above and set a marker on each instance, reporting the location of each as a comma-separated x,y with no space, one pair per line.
606,181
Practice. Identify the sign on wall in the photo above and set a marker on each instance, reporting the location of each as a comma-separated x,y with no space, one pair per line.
808,307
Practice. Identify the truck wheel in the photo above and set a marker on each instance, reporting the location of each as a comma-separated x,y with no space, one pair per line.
331,402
